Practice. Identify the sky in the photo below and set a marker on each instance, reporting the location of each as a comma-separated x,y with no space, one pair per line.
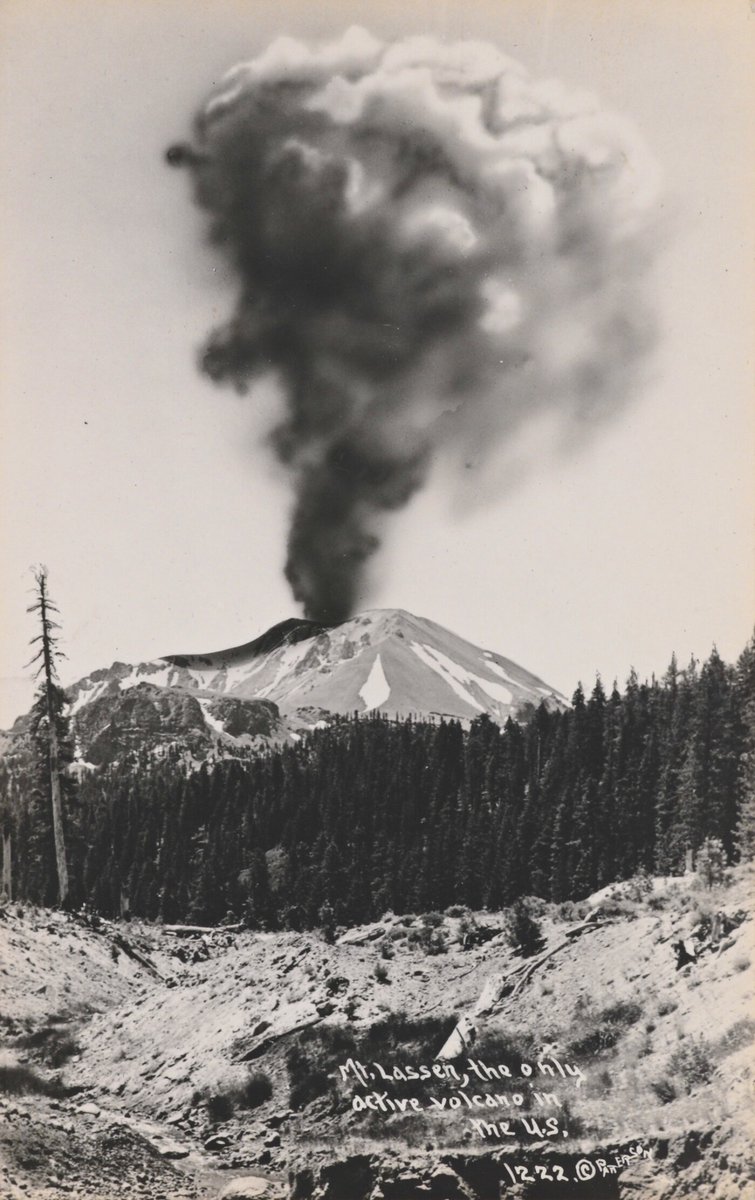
144,488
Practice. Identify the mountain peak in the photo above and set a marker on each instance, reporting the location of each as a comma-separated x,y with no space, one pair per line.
299,672
284,633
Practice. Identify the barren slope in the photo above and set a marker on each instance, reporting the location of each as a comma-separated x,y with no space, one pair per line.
159,1036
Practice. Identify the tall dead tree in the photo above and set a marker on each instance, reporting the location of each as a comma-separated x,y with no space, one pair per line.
47,656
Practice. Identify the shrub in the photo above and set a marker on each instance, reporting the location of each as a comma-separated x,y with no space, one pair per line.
307,1079
572,910
312,1063
615,907
380,972
22,1081
432,919
639,886
692,1062
609,1026
52,1044
664,1089
571,1122
430,935
742,963
327,923
524,932
257,1089
335,984
624,1012
711,862
594,1042
496,1049
583,1005
220,1107
702,920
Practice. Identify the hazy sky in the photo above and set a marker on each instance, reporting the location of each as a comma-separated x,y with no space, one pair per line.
142,486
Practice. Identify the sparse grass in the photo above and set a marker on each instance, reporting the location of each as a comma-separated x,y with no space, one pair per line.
739,1035
615,907
645,1047
667,1006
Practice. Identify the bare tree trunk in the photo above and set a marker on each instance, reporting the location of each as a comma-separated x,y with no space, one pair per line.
52,736
6,885
57,805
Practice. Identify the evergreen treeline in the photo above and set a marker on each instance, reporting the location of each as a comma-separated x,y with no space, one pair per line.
372,814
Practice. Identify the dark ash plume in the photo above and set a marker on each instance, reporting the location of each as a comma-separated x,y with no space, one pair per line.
432,249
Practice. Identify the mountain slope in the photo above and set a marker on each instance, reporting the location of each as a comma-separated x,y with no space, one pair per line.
385,660
287,681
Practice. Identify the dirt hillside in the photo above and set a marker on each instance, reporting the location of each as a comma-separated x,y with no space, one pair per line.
144,1061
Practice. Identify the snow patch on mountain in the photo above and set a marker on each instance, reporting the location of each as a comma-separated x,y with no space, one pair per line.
211,721
449,671
375,690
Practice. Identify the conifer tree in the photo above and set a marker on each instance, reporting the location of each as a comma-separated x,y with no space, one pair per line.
49,724
745,692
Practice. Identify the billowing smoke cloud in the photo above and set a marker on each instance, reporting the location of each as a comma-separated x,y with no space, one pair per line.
432,249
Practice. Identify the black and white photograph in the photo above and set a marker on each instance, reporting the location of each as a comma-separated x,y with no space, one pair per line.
377,666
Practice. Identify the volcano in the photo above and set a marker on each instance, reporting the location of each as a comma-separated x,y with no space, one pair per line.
293,678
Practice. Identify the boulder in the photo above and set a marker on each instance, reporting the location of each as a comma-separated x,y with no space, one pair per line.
217,1141
247,1187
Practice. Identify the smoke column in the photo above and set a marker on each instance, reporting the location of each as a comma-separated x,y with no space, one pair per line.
432,249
